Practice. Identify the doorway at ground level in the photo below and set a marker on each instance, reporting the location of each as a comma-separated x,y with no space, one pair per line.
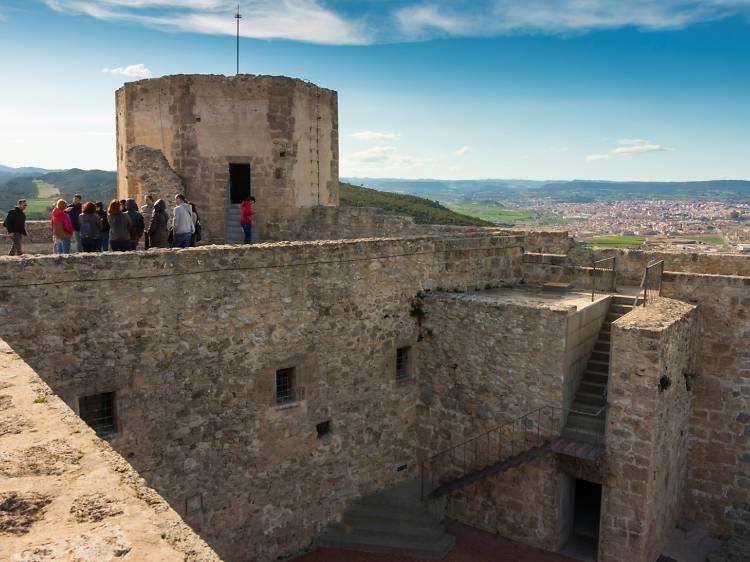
239,190
584,514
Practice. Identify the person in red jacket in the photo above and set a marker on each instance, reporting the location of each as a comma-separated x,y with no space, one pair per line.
246,218
62,228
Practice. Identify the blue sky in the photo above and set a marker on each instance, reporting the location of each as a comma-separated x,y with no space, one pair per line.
538,89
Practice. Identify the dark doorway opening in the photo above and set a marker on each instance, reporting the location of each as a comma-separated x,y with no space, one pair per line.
239,183
583,543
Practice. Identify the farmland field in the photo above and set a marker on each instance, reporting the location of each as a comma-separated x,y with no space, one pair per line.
617,241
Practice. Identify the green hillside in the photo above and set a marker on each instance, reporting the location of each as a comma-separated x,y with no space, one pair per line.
422,210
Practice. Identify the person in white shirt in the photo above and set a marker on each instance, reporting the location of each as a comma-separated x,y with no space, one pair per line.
182,223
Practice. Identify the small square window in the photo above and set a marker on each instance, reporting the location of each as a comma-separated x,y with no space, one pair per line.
402,363
285,393
98,410
323,428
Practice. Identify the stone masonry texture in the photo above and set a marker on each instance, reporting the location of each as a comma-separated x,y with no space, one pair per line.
285,129
190,342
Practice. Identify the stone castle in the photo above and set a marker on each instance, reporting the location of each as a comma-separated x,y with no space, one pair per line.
244,402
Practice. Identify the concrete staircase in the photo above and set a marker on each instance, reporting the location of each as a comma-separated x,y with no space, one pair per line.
234,233
587,415
393,521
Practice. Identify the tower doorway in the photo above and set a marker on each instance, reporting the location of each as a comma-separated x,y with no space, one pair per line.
239,190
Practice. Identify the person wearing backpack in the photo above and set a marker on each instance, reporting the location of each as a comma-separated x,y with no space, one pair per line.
137,224
15,224
119,227
158,231
90,228
62,228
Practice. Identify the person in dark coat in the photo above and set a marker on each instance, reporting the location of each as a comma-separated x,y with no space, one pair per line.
90,228
137,224
15,224
105,225
158,231
74,211
119,227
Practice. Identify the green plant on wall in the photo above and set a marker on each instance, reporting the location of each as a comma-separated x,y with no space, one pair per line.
418,312
664,383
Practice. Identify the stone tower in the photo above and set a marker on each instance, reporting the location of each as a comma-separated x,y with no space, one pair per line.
220,138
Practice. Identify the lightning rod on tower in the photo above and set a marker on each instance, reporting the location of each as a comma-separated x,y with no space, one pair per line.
238,17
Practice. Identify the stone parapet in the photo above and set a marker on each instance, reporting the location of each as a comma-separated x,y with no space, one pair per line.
66,495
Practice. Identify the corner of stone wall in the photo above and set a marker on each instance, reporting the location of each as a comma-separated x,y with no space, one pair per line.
149,172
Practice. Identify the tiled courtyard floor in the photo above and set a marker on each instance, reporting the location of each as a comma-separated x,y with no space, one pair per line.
472,545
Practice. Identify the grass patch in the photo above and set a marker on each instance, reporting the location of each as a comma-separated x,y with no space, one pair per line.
46,190
495,213
39,207
713,239
617,241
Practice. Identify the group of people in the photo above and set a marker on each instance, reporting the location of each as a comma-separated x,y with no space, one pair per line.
121,226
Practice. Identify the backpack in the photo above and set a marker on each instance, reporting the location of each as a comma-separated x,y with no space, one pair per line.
87,228
58,231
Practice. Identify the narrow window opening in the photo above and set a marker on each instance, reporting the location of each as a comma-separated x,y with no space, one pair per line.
402,363
323,428
285,391
98,411
278,173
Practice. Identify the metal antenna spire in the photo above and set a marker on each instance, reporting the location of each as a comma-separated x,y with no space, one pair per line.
238,17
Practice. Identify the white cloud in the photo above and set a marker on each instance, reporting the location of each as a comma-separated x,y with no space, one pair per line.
299,20
373,136
130,71
462,151
629,147
379,159
502,17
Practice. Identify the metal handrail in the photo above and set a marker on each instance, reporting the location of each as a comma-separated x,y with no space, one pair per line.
489,447
651,283
613,270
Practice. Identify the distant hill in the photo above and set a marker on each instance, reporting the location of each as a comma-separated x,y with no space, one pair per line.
503,190
94,185
422,210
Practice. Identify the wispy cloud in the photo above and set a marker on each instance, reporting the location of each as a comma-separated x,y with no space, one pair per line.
503,17
629,147
379,159
373,21
462,151
374,136
299,20
130,71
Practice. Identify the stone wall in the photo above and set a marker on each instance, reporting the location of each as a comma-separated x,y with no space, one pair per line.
66,495
487,359
285,129
719,476
41,239
645,463
190,342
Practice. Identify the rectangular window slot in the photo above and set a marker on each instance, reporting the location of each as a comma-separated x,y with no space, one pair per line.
323,428
98,411
285,391
402,467
402,363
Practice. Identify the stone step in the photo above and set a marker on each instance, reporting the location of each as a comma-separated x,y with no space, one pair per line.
600,355
369,516
589,409
584,435
390,526
611,317
591,398
604,336
602,346
598,366
433,549
620,309
595,376
625,299
592,387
